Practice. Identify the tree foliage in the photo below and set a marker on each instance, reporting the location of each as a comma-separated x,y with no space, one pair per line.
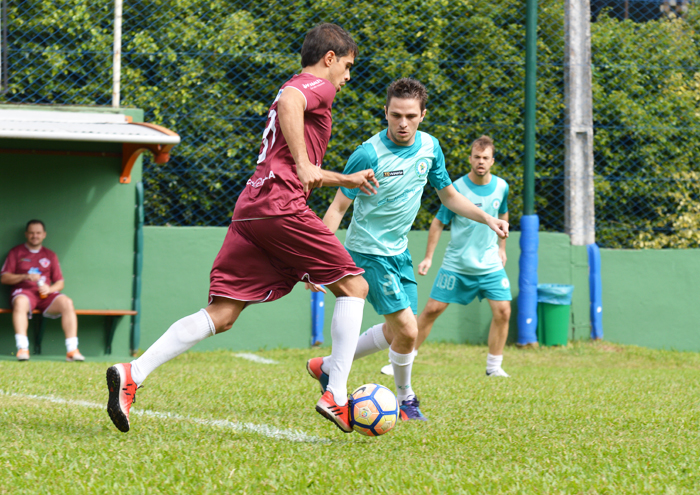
210,69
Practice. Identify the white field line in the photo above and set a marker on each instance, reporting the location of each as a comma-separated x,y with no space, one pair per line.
265,430
255,358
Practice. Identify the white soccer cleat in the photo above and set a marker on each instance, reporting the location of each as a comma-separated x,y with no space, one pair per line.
388,370
498,372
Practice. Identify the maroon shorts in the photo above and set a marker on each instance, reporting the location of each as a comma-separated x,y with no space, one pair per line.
262,260
36,302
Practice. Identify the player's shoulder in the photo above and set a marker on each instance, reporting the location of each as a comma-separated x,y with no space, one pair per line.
19,248
461,181
306,82
48,253
499,181
429,140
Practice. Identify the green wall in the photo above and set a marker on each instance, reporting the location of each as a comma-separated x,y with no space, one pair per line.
90,222
650,297
176,282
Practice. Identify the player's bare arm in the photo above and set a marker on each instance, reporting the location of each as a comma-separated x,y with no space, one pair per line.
290,108
16,278
436,228
502,241
463,207
336,211
57,286
364,180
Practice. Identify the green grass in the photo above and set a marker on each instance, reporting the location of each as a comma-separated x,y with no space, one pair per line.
589,418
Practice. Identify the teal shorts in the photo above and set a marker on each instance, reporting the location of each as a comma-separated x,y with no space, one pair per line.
452,287
392,284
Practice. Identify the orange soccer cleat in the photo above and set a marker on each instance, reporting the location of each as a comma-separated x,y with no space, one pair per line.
122,393
74,355
313,366
339,415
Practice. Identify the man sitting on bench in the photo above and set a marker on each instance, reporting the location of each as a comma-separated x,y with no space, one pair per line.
36,279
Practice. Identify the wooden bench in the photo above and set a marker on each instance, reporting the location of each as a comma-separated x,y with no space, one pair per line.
113,317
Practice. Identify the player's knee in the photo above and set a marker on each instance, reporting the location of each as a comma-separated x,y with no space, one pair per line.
68,304
503,313
355,286
409,333
20,305
433,310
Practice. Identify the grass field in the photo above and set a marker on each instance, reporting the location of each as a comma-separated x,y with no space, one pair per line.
589,418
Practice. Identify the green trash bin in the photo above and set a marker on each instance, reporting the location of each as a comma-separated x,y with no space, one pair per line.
553,313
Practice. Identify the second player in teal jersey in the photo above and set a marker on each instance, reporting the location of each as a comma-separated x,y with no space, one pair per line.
403,160
475,258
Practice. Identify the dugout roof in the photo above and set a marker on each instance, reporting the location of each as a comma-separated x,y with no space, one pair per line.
135,137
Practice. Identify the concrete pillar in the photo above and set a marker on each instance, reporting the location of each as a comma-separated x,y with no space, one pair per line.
578,97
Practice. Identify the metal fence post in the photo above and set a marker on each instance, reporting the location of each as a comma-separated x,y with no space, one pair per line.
529,223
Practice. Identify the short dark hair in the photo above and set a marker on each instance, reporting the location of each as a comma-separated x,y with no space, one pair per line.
484,142
32,222
407,88
324,38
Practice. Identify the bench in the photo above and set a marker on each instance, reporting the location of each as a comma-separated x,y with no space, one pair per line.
113,317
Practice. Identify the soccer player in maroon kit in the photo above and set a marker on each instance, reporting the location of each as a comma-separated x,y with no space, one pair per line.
36,279
275,240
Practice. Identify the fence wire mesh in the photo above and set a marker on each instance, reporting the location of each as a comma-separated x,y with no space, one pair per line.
210,69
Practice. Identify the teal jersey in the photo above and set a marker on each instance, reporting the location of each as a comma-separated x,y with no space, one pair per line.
473,247
380,222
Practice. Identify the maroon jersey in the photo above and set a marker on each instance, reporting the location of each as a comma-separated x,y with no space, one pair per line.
275,189
21,260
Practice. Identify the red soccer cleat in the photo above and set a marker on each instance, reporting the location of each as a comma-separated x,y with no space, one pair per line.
122,393
313,366
339,415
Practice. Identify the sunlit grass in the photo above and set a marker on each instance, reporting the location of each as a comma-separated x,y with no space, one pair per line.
589,418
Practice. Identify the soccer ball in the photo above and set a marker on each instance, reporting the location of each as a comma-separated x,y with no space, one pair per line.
374,411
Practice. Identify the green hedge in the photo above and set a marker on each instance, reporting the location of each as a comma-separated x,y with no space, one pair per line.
210,69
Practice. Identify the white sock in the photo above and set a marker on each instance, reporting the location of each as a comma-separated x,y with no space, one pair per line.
71,344
402,364
371,341
180,337
21,341
493,363
345,330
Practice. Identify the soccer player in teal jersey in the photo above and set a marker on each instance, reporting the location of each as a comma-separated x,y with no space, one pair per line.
403,160
475,258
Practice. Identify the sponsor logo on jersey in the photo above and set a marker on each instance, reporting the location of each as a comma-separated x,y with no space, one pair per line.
478,204
393,173
259,182
505,283
496,203
312,84
44,262
27,260
422,167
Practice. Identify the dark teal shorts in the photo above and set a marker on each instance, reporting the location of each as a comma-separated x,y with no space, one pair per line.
392,284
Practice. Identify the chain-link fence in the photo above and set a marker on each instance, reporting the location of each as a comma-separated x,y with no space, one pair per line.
210,69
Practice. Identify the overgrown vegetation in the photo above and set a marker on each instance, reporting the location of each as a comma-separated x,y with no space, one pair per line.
210,69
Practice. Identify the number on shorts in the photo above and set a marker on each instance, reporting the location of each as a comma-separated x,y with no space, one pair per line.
270,127
389,287
446,282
